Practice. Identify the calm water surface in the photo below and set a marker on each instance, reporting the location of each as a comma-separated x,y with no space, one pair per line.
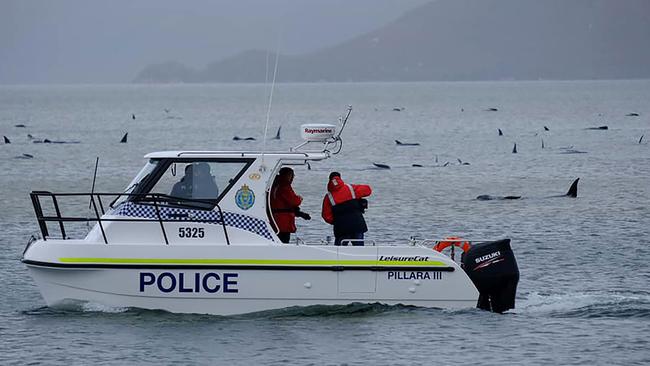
584,294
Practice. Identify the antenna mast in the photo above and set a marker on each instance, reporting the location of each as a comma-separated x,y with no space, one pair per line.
268,111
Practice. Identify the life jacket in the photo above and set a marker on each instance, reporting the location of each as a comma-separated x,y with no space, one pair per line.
342,207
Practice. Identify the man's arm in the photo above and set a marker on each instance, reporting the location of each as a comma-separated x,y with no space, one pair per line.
291,197
362,190
327,214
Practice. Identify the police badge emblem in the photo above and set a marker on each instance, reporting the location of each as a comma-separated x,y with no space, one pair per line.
245,198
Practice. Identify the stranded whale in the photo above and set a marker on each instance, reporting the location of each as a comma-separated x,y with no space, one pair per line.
572,192
48,141
277,134
487,197
400,143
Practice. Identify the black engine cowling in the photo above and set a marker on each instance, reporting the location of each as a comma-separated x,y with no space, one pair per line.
493,269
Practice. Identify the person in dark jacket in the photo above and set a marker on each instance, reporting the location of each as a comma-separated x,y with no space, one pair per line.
197,183
343,207
285,204
183,188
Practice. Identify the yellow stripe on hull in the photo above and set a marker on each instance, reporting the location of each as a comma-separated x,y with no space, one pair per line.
308,262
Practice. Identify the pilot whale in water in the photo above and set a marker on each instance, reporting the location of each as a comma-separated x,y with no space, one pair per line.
400,143
572,192
277,134
487,197
381,166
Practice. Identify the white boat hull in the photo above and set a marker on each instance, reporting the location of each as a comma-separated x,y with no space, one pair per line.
57,289
180,282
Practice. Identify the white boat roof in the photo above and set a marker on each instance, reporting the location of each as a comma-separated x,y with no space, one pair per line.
289,155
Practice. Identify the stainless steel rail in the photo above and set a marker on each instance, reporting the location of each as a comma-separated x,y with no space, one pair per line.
156,199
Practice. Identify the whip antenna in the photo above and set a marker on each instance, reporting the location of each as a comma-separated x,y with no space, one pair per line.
268,111
92,189
266,74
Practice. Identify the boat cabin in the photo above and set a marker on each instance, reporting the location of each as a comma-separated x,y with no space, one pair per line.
189,188
195,197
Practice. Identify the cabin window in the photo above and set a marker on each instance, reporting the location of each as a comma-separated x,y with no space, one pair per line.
142,175
181,182
137,182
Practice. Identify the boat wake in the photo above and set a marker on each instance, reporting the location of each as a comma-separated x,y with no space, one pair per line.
77,307
572,305
349,310
90,307
586,305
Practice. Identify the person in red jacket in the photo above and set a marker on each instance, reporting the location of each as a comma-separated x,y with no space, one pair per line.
285,204
343,207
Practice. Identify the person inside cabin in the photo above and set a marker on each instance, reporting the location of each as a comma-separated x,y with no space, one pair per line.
285,204
204,186
343,208
183,188
197,183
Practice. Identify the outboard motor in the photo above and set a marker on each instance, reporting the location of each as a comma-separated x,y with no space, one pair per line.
493,269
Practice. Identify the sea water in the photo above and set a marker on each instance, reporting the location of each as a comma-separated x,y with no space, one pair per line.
584,294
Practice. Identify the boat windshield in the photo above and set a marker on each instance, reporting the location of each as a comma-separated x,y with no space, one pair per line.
183,182
144,173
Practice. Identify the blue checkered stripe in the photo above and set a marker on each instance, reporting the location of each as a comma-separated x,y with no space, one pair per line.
238,221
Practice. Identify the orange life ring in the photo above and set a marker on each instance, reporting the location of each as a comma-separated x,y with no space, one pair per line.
452,240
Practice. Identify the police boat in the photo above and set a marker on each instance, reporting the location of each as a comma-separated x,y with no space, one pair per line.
165,244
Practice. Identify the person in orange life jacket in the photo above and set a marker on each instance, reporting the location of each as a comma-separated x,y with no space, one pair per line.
285,204
343,207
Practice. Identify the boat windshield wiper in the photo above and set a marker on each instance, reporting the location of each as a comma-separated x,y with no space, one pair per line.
129,188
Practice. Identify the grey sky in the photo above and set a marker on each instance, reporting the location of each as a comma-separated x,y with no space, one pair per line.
84,41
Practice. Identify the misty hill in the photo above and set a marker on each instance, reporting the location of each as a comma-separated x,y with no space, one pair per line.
464,40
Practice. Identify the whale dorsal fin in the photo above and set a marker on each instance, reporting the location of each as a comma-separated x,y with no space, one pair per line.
573,191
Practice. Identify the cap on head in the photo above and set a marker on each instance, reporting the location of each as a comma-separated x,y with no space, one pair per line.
285,171
334,174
